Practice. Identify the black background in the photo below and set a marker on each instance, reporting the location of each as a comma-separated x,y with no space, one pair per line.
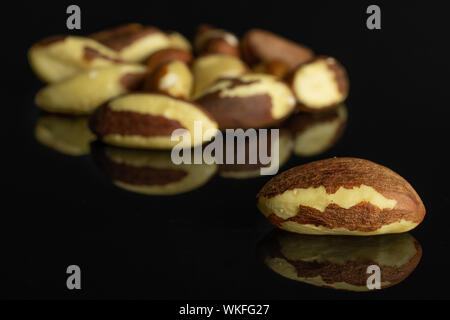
61,210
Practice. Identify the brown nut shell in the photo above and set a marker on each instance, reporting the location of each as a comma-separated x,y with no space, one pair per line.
263,46
320,84
147,121
275,68
347,196
340,262
249,101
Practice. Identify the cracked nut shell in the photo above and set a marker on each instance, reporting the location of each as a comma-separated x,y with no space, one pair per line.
346,196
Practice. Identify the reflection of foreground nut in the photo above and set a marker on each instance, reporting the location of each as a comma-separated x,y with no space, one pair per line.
143,120
247,169
320,84
173,78
316,132
250,101
67,135
340,262
208,69
341,196
85,91
59,57
210,40
151,172
263,46
133,42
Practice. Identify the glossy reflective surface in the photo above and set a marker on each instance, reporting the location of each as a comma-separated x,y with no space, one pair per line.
62,209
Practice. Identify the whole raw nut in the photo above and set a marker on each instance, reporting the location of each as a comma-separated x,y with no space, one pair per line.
84,92
314,133
133,42
210,40
208,69
147,120
150,172
346,196
178,41
67,135
173,78
275,68
249,101
319,84
59,57
263,46
250,168
164,56
340,262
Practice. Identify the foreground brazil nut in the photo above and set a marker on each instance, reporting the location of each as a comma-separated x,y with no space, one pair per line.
147,120
249,101
59,57
340,262
347,196
82,93
320,84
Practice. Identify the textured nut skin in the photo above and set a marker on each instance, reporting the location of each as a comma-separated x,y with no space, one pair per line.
275,68
133,42
59,57
340,262
147,120
263,46
341,196
319,84
249,101
150,172
164,56
67,135
210,40
82,93
314,133
173,78
208,69
249,170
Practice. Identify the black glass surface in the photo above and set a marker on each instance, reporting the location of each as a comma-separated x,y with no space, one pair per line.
61,209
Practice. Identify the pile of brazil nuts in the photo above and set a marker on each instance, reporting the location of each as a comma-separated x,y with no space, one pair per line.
137,84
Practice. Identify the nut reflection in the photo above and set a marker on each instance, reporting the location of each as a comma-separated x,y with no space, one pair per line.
248,170
340,262
150,172
67,135
315,133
